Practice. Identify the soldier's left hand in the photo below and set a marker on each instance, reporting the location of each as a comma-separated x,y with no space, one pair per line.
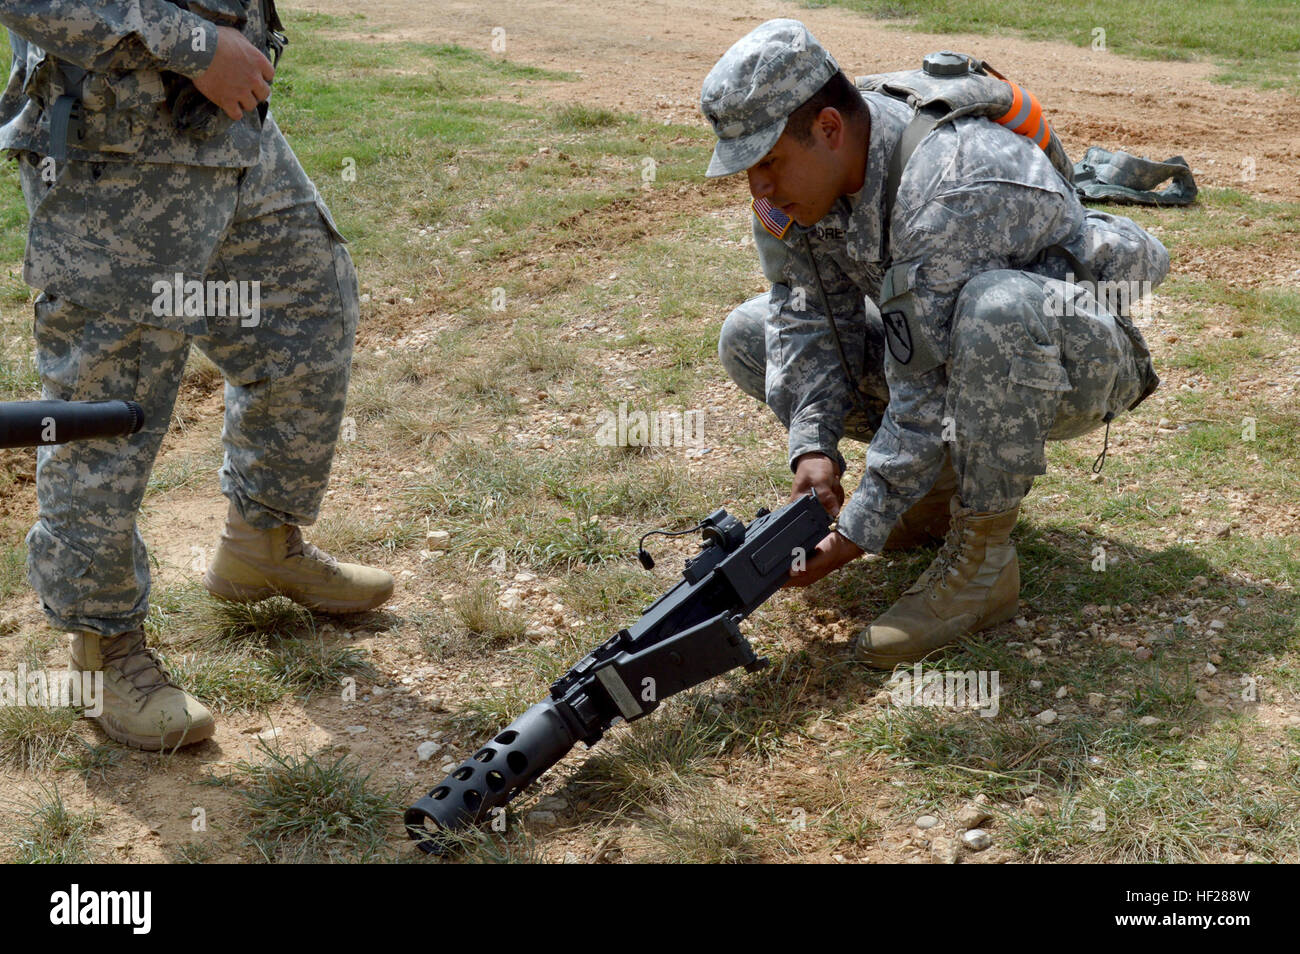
832,553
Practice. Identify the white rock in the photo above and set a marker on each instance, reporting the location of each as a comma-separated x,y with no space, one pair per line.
926,821
977,839
437,539
1046,717
355,729
1148,720
428,750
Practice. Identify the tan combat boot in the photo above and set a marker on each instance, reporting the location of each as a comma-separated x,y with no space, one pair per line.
973,583
252,564
142,707
926,521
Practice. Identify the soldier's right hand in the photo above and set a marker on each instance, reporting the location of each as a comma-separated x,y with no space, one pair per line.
239,76
818,473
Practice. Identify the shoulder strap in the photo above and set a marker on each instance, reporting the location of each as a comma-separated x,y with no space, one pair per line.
920,126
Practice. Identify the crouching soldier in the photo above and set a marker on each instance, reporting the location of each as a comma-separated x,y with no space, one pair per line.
935,294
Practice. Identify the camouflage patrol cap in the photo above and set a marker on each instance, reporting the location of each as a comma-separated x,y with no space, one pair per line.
751,92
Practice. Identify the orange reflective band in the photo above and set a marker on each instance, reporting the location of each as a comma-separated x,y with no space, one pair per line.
1045,138
1032,121
1016,102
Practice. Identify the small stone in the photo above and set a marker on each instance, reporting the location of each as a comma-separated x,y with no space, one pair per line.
1096,699
553,803
972,816
355,729
1035,806
1148,720
1210,669
1062,692
1218,624
945,851
1046,717
1035,684
571,859
1143,654
977,839
437,539
270,734
926,821
541,818
428,750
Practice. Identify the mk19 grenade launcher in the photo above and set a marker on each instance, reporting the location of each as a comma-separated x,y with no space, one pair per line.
689,635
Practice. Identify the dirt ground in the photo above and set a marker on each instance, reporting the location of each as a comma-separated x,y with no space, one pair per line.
650,58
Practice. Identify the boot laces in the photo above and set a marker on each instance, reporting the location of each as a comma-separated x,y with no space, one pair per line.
298,547
137,663
950,554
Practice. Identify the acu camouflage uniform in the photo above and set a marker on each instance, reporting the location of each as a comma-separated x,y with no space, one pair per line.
976,206
136,202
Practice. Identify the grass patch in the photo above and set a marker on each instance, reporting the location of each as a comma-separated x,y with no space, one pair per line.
305,808
53,833
1251,40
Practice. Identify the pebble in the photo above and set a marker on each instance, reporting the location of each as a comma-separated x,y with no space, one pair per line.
1143,653
428,750
926,821
972,816
1096,699
355,729
1148,720
1035,684
1046,717
1035,806
977,839
541,817
945,851
437,539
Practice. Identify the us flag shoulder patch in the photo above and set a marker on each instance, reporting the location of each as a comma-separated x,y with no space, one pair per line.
773,219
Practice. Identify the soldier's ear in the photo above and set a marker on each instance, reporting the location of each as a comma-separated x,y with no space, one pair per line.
830,124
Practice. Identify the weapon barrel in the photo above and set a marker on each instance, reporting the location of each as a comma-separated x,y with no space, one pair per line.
33,423
490,778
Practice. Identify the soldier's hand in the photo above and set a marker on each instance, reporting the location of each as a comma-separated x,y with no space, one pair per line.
817,473
832,553
239,76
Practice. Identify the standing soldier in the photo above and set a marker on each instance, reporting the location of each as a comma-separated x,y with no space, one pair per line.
924,298
166,207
